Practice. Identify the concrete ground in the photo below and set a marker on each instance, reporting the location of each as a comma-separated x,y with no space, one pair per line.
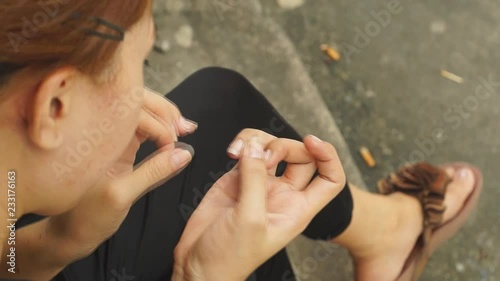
386,93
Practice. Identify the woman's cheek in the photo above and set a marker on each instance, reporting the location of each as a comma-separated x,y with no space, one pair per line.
127,128
123,112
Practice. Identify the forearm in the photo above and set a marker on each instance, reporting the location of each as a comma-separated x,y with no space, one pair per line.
39,254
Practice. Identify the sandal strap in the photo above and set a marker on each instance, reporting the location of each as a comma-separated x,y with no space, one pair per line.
425,182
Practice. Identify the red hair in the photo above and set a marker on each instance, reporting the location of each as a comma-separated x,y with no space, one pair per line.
51,33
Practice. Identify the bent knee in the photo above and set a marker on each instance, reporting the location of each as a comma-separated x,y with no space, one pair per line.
223,84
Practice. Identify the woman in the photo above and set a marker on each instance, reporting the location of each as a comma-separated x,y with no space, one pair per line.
75,114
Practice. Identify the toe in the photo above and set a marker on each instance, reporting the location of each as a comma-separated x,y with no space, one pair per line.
458,190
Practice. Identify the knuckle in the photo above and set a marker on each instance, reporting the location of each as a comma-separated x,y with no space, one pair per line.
179,251
331,149
267,138
171,103
277,145
115,198
176,114
328,157
245,133
330,177
342,180
249,132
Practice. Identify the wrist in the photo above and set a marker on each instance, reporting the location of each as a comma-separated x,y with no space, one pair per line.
67,246
195,269
187,269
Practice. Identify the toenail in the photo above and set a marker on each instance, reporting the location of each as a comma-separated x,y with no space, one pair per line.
464,173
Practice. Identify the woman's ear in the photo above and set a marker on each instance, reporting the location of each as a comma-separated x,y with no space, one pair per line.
49,108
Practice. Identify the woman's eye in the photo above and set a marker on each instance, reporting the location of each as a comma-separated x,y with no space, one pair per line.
146,63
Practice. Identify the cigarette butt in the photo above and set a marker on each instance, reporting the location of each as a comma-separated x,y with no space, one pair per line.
452,77
330,52
367,156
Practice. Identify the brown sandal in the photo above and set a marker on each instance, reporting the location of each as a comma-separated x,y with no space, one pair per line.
428,184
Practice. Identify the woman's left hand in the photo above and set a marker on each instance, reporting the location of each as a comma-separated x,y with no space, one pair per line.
239,224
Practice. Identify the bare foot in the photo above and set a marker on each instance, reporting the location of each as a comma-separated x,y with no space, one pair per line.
384,260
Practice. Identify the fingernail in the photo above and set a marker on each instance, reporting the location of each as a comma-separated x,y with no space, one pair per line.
316,139
268,154
188,125
256,150
180,158
186,147
236,147
464,173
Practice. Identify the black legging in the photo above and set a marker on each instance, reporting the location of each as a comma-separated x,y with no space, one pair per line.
224,103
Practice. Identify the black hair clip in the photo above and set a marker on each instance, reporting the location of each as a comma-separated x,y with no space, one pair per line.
119,32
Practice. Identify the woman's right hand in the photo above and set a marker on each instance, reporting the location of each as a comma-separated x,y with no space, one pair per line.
249,214
102,210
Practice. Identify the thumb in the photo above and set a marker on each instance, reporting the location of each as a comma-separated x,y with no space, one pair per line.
253,179
162,165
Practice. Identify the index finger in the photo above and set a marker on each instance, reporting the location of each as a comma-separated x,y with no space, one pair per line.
149,128
300,163
288,150
168,113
